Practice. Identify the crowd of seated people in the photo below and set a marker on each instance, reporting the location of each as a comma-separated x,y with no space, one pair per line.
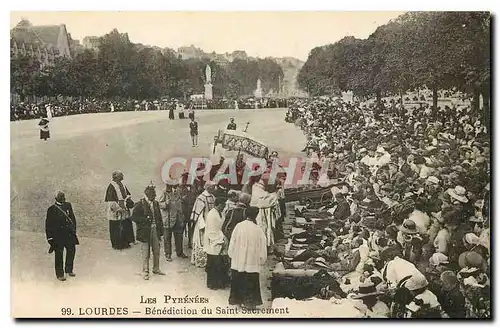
407,234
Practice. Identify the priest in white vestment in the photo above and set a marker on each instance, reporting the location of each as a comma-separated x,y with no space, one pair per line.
203,204
269,210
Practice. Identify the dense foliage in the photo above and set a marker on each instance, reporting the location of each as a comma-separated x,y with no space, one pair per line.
437,50
121,69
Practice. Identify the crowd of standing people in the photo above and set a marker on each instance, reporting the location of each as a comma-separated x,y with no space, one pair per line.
32,110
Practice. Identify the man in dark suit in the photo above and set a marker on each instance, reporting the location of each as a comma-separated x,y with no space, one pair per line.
193,131
231,125
343,209
189,195
173,221
147,215
60,229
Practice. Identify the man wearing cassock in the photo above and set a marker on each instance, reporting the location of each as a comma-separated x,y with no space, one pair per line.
235,215
118,205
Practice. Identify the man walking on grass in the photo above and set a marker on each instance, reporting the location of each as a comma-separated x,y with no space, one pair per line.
193,130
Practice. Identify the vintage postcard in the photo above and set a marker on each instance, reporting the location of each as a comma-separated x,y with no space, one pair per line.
250,165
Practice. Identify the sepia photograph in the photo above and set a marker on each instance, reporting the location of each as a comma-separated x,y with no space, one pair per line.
250,164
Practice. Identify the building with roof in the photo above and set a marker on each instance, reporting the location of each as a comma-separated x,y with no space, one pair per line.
190,52
75,46
91,42
239,54
43,42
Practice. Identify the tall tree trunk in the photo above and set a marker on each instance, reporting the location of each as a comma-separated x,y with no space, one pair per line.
486,97
486,107
475,99
379,97
434,99
401,96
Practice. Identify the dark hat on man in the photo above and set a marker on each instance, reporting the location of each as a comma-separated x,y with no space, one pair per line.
409,227
391,252
366,289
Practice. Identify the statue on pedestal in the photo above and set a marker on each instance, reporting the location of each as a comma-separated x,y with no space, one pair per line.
208,74
208,83
258,91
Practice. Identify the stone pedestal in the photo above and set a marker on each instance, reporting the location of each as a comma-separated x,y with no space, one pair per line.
258,93
208,91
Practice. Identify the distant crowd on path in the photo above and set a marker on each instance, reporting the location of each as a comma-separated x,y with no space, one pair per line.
412,216
32,110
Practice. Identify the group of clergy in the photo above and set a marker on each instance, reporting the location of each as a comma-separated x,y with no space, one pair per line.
232,236
230,233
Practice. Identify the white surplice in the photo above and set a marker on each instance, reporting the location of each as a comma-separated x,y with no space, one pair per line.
247,248
214,238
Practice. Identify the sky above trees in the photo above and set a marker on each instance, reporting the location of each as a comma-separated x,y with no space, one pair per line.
260,34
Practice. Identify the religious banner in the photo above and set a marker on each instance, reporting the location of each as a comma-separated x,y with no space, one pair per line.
238,141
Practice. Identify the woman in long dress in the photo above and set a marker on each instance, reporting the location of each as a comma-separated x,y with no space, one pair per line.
171,115
191,111
203,204
44,129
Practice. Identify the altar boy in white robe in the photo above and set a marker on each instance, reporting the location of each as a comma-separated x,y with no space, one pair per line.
247,250
215,245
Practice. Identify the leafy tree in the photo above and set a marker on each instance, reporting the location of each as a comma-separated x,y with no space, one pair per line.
438,50
121,69
23,75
